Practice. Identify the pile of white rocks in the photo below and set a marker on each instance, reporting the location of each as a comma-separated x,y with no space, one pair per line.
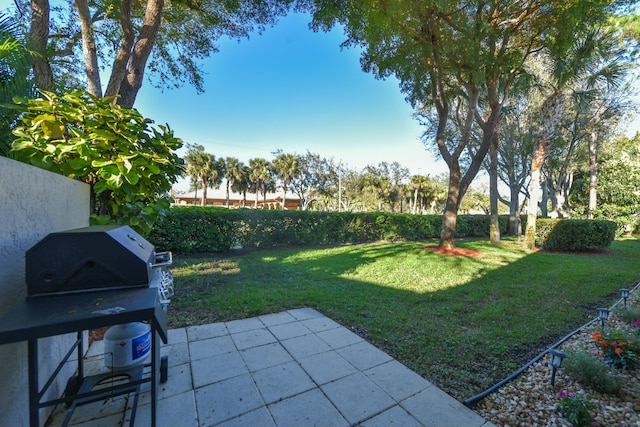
530,400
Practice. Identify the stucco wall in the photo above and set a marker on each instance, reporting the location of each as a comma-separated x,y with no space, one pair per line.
33,203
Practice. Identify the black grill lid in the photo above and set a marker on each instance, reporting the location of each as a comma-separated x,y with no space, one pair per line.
89,258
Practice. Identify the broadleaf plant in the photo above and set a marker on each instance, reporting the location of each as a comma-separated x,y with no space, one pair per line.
129,164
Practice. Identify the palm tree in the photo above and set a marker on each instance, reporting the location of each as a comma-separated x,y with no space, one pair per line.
242,183
202,166
588,60
259,174
285,166
232,173
14,77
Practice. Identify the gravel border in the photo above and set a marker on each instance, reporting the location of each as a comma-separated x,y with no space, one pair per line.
530,400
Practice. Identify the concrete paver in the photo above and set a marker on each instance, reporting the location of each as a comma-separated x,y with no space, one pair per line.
326,367
357,397
265,356
295,368
272,387
311,409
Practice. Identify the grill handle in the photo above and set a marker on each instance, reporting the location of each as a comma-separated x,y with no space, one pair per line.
165,257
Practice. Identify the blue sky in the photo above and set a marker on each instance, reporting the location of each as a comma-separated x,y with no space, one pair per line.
292,89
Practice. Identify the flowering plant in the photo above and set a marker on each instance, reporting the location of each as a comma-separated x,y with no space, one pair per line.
616,350
635,326
576,409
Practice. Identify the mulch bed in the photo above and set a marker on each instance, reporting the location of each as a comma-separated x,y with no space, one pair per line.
452,252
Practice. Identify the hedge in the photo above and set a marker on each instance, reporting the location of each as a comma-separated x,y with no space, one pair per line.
575,234
188,230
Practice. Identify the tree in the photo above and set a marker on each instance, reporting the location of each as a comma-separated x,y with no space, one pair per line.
397,175
135,37
316,177
285,166
232,173
585,57
373,190
201,166
426,194
14,77
242,183
260,175
129,165
514,152
442,51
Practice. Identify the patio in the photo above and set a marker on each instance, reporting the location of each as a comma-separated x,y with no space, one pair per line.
294,368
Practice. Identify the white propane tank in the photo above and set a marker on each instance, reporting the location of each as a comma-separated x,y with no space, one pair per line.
126,345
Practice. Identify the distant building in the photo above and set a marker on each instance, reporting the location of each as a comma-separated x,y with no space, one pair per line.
218,197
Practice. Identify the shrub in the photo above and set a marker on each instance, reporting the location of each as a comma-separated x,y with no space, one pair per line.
627,218
590,371
628,314
575,235
129,165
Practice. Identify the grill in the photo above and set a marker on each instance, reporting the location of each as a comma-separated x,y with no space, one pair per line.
92,278
94,259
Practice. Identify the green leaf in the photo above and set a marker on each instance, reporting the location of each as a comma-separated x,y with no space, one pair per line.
22,145
114,181
78,163
101,163
100,219
132,177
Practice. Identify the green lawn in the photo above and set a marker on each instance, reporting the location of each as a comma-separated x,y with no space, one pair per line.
464,323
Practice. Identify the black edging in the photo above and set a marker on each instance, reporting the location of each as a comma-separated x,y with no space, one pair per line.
472,401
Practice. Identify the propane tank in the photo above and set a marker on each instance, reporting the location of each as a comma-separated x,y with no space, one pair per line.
126,345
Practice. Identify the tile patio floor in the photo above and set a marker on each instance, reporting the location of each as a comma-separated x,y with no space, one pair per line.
295,368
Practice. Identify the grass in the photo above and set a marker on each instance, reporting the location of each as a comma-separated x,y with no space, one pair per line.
464,323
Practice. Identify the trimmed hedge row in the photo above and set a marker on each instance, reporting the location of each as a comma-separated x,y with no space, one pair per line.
192,229
188,230
575,234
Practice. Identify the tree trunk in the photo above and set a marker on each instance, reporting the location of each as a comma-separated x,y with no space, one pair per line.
119,68
284,195
514,208
132,81
593,174
450,217
544,201
494,228
37,43
550,114
534,195
89,48
227,201
264,194
205,185
255,205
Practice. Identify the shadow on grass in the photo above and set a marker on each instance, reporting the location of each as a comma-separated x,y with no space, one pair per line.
464,323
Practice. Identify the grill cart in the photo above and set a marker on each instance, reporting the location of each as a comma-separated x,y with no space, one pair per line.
90,278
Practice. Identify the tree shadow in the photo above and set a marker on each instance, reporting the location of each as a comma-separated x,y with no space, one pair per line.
464,335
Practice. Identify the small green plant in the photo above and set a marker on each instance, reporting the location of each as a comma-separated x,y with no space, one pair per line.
577,409
618,351
628,314
590,371
635,327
